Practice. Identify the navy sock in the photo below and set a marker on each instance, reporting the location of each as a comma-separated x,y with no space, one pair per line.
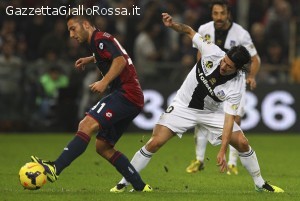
74,149
122,164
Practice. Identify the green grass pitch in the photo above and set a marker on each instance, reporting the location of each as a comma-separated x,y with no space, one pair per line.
90,177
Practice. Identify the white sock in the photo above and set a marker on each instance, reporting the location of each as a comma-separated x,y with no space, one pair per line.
233,156
201,142
249,161
139,161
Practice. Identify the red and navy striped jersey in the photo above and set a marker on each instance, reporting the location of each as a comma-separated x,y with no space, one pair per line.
106,48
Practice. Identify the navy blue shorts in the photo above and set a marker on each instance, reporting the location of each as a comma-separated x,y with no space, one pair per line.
114,114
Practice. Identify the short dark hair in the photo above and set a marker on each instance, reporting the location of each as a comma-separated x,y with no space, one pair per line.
221,3
81,15
240,56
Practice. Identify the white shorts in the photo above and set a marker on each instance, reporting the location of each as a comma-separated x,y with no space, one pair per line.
179,119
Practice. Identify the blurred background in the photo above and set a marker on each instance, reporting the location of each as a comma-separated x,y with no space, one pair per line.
40,91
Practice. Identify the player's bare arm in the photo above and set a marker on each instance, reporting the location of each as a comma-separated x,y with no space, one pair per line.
179,27
80,63
254,68
116,68
226,136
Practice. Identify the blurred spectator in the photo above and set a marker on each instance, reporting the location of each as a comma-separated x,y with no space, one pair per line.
187,54
55,40
275,58
74,50
146,53
7,32
257,33
257,11
10,81
88,98
51,82
277,23
38,27
172,45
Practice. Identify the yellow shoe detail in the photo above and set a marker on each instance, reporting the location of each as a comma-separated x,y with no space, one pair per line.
232,169
195,166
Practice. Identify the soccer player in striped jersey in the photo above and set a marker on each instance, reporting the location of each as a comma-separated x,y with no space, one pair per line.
110,117
209,97
225,34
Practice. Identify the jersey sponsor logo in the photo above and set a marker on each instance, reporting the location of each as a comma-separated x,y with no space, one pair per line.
205,82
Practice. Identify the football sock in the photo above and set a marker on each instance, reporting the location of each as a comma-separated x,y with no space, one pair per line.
74,149
201,142
139,161
123,166
249,161
233,156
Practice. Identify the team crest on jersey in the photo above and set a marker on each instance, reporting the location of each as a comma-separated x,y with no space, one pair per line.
221,94
208,64
101,46
169,109
207,37
232,43
212,81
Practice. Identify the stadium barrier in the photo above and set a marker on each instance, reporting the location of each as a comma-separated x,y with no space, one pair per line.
270,108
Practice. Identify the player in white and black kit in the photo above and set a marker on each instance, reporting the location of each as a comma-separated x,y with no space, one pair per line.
225,34
214,80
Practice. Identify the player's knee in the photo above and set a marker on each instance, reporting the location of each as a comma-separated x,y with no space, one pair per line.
104,149
88,125
153,145
244,145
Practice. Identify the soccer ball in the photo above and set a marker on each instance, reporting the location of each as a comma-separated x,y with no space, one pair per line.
32,176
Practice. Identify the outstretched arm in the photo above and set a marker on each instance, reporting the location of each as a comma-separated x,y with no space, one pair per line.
226,137
254,68
180,28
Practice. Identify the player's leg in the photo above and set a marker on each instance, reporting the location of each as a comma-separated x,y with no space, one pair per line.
250,162
200,143
171,122
233,153
232,161
142,157
121,163
73,150
115,115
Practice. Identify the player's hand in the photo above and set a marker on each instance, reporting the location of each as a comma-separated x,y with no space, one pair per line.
80,63
167,19
251,82
98,87
221,162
